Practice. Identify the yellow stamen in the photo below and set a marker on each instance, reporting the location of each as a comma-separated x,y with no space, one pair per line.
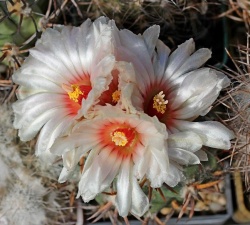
160,103
75,93
116,96
119,138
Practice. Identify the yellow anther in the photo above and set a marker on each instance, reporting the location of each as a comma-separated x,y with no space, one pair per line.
119,138
116,96
160,103
75,93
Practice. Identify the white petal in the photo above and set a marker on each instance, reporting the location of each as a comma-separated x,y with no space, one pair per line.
71,37
34,67
137,46
51,61
160,59
23,92
213,134
223,80
64,144
124,188
196,93
193,86
150,37
112,173
33,112
182,156
202,155
37,82
100,79
179,56
51,130
70,161
126,84
103,69
99,175
71,158
142,75
160,163
186,140
193,62
64,175
88,193
42,101
174,175
142,164
157,167
140,202
133,49
32,127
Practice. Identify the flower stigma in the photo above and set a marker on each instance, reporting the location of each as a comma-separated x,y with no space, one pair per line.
116,96
119,138
159,103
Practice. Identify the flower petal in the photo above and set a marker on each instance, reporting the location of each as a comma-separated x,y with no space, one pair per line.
137,46
99,175
38,100
213,134
178,57
154,165
196,60
140,202
160,60
124,188
51,130
100,79
64,144
53,55
159,166
194,96
185,140
202,155
150,37
127,84
174,175
37,82
64,175
182,156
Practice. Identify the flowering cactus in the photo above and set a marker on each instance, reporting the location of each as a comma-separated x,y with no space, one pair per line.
121,101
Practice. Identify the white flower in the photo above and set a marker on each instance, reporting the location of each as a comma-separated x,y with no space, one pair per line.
69,68
121,145
172,87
